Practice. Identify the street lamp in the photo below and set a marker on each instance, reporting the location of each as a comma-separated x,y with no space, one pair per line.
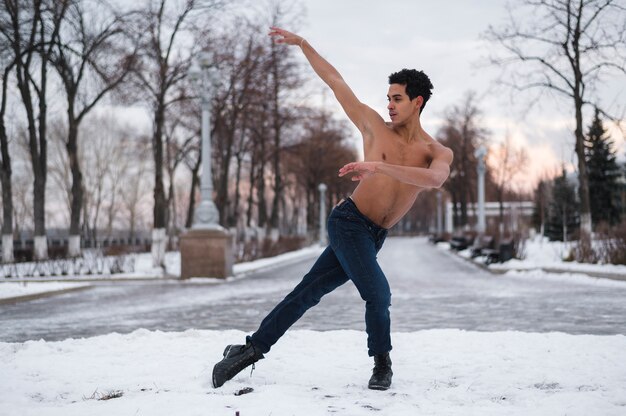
204,76
206,250
322,188
480,154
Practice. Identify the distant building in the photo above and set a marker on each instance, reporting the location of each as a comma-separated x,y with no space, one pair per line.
517,215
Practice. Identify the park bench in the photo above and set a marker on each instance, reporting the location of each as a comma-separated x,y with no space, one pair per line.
482,243
504,252
461,242
436,238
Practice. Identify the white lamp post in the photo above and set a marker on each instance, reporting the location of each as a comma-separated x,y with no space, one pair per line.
205,78
207,249
480,155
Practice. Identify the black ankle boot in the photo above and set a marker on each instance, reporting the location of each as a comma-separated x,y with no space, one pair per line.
236,358
381,375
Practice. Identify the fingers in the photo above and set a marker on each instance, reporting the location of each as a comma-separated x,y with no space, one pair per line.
284,37
346,169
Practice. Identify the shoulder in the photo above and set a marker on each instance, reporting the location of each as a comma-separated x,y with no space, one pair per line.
441,152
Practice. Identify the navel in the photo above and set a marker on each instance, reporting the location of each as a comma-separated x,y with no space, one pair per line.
384,157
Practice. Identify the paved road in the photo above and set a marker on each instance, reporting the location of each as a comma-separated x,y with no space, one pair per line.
431,289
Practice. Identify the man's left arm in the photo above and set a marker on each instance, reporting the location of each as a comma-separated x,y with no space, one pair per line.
432,177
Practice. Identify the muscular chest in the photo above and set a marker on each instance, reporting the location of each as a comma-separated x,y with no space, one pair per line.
415,154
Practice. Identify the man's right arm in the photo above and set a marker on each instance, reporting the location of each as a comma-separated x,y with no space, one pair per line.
360,114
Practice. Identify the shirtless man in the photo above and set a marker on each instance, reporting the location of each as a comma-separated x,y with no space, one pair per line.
401,160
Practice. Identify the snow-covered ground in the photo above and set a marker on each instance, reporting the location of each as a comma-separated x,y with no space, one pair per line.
436,372
16,290
9,288
549,255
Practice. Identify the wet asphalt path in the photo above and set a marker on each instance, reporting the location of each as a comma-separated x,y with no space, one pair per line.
431,288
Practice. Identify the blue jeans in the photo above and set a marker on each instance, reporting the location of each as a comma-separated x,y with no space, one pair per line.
354,242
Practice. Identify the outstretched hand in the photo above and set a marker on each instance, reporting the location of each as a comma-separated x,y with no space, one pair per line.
361,170
286,37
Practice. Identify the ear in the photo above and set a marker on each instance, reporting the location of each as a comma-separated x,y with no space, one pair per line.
419,100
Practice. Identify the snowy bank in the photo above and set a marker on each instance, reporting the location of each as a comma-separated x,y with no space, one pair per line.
542,254
436,372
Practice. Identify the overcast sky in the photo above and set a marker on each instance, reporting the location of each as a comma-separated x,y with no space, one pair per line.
366,40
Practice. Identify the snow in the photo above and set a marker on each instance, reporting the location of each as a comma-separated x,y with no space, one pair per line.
14,289
11,287
540,253
436,372
143,265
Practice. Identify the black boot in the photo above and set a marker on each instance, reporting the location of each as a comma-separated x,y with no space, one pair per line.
236,358
381,377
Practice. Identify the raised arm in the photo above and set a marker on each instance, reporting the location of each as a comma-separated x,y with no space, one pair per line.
360,114
433,176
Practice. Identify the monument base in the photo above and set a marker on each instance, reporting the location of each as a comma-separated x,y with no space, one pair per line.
206,253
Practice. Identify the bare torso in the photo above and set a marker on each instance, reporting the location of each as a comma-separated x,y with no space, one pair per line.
381,198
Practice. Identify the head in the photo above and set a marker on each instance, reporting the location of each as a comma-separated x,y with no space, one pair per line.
409,90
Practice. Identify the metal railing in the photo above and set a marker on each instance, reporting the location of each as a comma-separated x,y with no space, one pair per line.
92,264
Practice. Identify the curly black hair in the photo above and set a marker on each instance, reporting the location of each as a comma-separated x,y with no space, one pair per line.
417,84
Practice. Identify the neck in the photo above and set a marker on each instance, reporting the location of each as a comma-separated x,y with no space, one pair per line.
411,130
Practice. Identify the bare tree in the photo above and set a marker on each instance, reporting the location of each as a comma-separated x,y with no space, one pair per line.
241,67
463,133
59,171
22,202
566,47
316,158
112,156
284,76
132,194
92,57
7,62
31,29
181,140
258,165
167,51
505,162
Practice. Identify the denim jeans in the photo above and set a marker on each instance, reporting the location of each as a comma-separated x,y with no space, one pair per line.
354,242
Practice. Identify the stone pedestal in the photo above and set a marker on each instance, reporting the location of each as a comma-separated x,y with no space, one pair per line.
206,253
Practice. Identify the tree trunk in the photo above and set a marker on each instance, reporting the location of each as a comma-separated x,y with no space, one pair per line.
7,192
235,211
39,159
77,184
251,193
5,179
222,189
192,192
583,177
160,203
171,211
277,127
260,190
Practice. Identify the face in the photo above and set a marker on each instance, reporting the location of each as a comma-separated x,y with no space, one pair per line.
400,107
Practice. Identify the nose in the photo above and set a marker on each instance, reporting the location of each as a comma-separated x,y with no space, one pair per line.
390,105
